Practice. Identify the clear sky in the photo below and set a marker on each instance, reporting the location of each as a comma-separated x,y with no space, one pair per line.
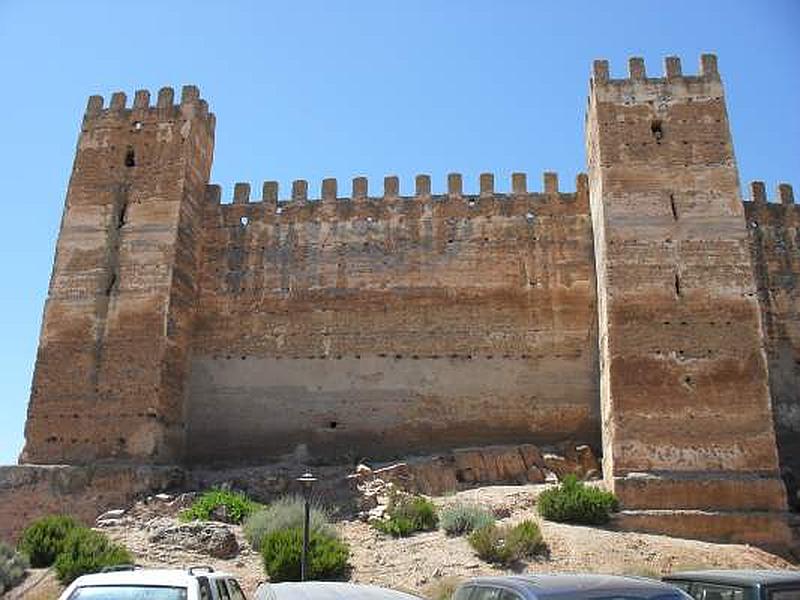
313,89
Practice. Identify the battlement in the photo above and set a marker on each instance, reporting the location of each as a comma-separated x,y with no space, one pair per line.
191,105
637,87
391,192
758,194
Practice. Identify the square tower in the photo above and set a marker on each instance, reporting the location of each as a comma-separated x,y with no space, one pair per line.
688,437
109,375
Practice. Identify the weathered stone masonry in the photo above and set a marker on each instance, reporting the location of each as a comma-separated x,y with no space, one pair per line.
651,309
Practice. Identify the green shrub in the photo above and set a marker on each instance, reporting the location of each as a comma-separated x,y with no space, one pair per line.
43,539
395,526
87,551
459,519
407,514
507,544
12,567
281,551
235,506
575,502
285,513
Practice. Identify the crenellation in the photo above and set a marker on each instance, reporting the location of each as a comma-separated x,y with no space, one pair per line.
672,67
141,100
269,192
166,96
422,186
636,70
758,192
189,94
300,190
486,182
118,100
786,194
329,190
519,184
550,183
94,106
600,72
708,66
360,189
391,187
455,186
241,193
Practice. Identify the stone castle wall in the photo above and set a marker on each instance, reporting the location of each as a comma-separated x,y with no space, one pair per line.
774,230
375,326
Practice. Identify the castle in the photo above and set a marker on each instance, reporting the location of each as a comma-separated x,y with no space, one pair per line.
650,311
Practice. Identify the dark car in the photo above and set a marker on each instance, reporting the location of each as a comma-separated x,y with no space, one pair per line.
567,587
738,585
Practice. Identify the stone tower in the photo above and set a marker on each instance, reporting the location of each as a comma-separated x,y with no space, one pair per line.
688,433
110,370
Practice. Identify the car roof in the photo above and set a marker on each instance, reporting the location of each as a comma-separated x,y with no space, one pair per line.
545,586
164,577
328,590
737,576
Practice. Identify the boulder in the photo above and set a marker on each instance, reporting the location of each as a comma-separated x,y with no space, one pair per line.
213,539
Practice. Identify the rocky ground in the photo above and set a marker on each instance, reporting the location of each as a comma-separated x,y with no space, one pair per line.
421,563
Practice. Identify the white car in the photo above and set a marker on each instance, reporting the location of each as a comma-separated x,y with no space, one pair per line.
134,583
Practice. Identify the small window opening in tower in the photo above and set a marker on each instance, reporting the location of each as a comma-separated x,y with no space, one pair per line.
122,215
677,285
244,221
656,130
112,281
130,158
673,207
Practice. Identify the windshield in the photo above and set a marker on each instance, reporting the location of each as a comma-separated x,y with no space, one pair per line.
128,592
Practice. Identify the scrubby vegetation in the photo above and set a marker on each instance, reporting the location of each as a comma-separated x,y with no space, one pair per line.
285,513
281,551
461,518
442,588
87,551
408,514
12,567
234,507
509,543
575,502
43,540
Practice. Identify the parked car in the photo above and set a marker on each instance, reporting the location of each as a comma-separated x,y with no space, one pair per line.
738,585
327,590
134,583
567,587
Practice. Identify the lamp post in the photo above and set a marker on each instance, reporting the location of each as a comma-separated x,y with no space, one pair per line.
306,483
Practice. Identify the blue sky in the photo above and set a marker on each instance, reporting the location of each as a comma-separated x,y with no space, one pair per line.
338,89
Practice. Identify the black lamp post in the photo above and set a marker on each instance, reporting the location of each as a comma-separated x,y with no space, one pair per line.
306,482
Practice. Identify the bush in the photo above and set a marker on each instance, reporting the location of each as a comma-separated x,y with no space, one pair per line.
12,568
575,502
458,519
281,551
507,544
286,513
236,506
408,514
87,551
442,588
43,539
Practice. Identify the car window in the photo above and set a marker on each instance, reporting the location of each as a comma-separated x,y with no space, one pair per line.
128,592
235,590
463,592
222,590
485,593
712,591
205,589
785,594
